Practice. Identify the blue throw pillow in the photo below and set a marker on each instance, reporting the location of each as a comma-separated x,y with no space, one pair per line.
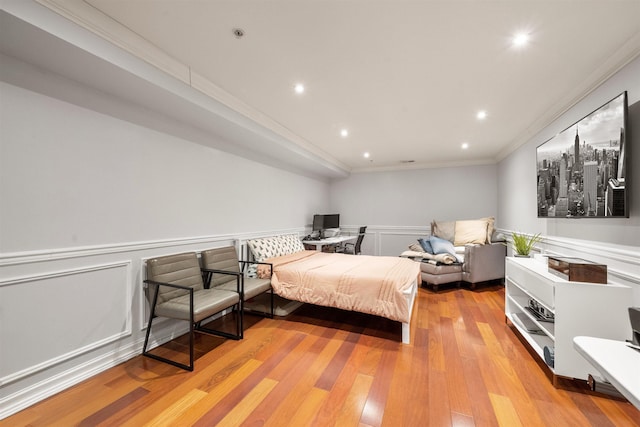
442,246
426,245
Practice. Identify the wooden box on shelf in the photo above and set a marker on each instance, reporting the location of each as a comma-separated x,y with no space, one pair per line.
578,270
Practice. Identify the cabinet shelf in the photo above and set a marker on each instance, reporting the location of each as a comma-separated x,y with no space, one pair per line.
521,303
579,309
537,342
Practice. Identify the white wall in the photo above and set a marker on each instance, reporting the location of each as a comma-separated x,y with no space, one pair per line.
72,177
86,197
399,206
613,241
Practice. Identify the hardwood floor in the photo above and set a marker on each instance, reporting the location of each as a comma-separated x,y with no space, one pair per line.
325,367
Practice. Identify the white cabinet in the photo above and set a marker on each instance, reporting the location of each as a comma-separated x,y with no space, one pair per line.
578,309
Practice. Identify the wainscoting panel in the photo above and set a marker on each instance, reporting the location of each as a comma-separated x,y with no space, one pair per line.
50,318
389,240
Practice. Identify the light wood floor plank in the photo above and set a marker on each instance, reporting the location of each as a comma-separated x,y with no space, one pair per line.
459,399
168,417
505,412
306,412
352,409
238,414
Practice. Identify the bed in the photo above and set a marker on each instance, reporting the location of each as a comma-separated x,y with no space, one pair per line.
378,285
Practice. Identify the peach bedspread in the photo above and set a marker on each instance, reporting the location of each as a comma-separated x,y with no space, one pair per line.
367,284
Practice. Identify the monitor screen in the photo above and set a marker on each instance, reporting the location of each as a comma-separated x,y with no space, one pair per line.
332,221
318,222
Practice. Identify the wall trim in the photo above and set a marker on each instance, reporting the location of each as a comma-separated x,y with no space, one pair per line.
37,392
15,376
62,273
554,245
27,257
624,254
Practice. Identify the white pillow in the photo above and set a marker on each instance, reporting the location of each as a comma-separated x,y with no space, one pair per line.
471,231
262,249
290,243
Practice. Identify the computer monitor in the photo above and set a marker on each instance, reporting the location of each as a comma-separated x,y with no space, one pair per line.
332,221
322,222
318,223
634,317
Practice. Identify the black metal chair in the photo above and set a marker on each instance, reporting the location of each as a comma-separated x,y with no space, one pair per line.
353,248
219,262
175,289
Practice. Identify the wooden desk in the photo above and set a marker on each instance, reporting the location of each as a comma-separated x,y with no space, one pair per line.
328,241
618,364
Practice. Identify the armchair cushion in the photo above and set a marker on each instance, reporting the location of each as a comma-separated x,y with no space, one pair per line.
444,229
470,231
491,229
425,244
442,246
226,259
205,303
253,286
416,247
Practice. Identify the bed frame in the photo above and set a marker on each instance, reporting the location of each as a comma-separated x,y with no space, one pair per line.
410,294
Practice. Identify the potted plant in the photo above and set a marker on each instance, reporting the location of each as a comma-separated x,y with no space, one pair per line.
523,243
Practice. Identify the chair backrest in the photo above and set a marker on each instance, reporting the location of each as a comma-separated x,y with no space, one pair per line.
225,258
360,238
180,269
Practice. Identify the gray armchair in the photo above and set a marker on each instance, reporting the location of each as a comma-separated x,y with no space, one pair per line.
482,263
220,261
175,289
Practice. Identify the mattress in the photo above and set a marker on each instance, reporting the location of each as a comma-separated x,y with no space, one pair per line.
375,285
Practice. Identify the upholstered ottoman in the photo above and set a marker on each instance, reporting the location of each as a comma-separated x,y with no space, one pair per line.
436,275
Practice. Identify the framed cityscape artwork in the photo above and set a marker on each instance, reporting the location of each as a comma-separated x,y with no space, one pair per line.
581,171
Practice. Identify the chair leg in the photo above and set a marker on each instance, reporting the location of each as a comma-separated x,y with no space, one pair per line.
164,359
146,337
152,314
240,320
272,298
239,326
191,343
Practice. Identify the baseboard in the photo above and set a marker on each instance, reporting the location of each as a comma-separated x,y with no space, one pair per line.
62,381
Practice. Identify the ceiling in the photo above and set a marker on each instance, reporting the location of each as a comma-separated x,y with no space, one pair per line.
405,78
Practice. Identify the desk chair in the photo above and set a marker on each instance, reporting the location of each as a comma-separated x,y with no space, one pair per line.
353,248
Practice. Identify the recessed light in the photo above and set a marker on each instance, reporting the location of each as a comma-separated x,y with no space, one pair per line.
465,145
299,88
520,39
481,115
366,155
344,133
